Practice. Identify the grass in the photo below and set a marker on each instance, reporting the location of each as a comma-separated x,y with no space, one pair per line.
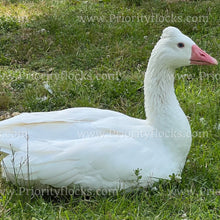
101,63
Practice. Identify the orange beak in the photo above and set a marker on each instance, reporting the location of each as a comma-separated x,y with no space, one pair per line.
200,57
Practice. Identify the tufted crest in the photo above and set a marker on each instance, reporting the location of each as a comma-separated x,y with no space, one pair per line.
170,32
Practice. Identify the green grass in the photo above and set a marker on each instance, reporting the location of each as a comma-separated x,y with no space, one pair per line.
102,64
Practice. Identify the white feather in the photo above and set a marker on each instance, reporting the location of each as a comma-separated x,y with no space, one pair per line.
101,148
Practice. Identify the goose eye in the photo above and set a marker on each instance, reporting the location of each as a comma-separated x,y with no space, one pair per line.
180,45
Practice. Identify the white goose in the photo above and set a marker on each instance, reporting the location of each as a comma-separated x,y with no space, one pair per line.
100,148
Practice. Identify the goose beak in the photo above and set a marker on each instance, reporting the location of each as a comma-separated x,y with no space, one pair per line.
200,57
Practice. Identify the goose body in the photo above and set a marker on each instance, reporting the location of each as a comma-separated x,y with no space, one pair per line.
97,148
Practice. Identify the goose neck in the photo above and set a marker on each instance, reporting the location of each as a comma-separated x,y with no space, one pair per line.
160,98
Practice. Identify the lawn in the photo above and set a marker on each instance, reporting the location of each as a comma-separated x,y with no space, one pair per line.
69,53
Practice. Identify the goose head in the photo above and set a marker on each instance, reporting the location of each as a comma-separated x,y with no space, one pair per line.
175,49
